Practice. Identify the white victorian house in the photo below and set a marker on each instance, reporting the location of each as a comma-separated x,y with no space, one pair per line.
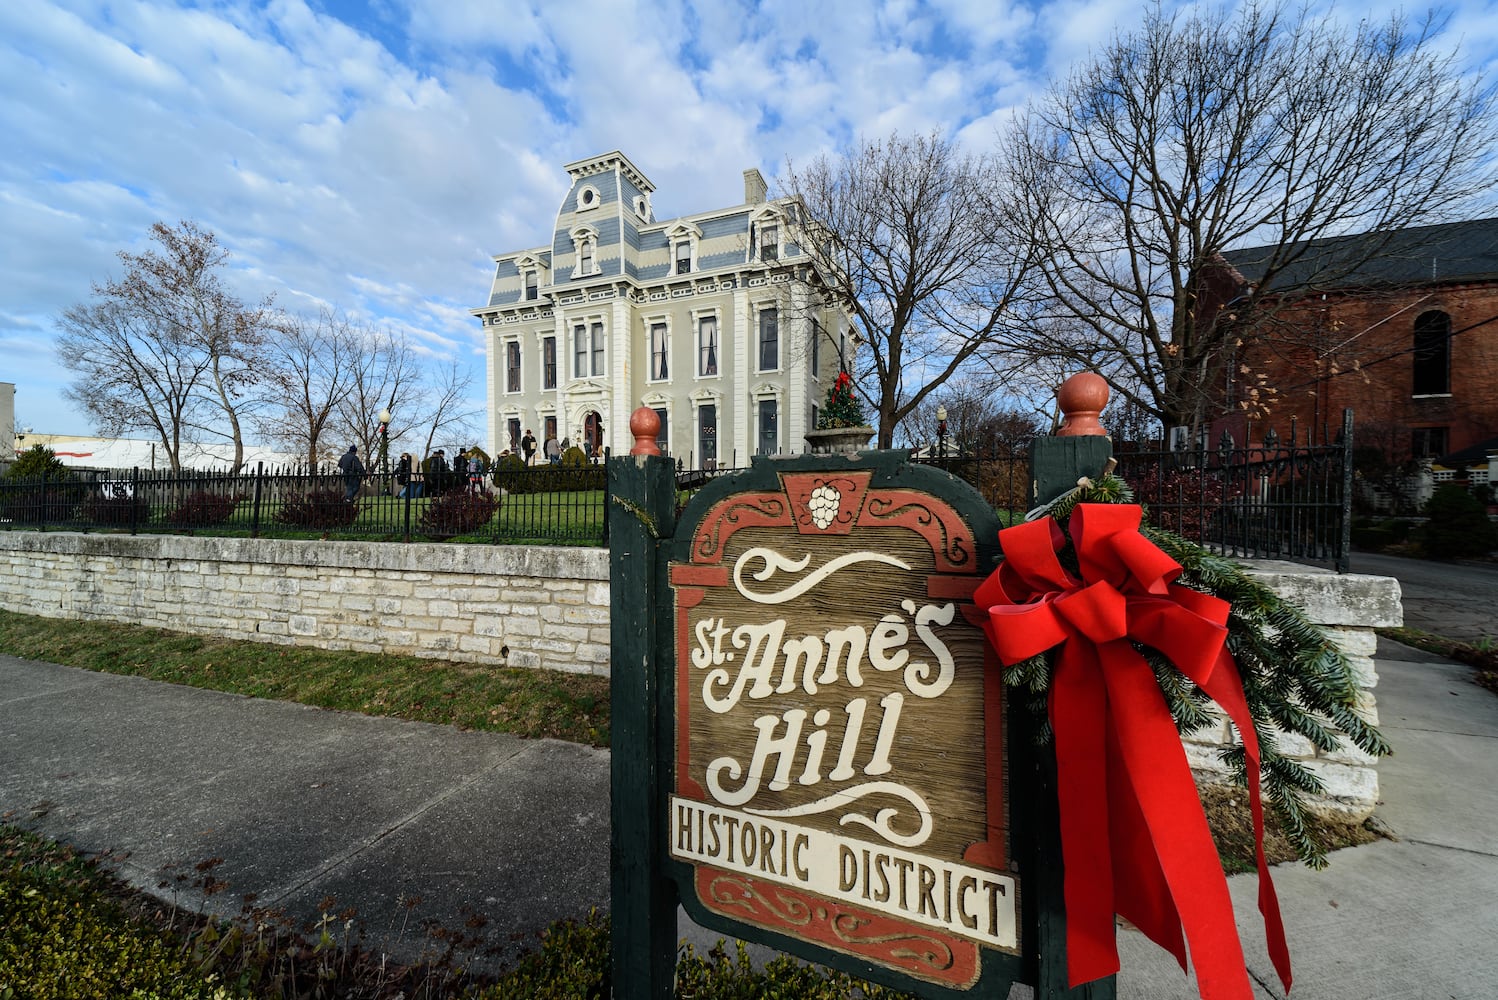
712,319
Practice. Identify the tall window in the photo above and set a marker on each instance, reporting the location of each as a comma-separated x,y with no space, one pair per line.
707,435
585,257
549,429
1432,362
548,362
663,439
587,350
816,348
769,340
707,345
514,429
512,366
684,257
769,242
659,369
532,286
769,437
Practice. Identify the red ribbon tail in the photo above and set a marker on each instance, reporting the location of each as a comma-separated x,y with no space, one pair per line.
1225,687
1143,896
1079,720
1172,810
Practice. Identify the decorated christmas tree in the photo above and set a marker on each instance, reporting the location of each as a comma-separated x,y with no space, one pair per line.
841,408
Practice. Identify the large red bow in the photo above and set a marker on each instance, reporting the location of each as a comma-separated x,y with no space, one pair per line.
1134,839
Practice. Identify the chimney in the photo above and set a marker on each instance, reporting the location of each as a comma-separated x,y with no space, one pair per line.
754,187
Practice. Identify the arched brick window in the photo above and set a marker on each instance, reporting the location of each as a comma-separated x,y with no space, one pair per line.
1432,360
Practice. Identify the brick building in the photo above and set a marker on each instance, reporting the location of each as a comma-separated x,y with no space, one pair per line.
1408,340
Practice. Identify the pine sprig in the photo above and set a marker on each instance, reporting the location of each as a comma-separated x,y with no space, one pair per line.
1295,679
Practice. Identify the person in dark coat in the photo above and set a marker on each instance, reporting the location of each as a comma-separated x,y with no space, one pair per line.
403,475
528,447
353,472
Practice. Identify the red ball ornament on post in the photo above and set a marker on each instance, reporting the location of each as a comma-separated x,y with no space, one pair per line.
645,425
1082,398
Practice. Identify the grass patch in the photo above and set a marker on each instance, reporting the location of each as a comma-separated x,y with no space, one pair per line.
75,932
1483,659
530,703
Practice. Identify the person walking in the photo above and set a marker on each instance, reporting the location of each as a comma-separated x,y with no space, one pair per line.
353,472
528,446
403,475
553,450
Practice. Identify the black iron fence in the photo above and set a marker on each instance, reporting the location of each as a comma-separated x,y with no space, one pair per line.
547,504
1280,499
1283,498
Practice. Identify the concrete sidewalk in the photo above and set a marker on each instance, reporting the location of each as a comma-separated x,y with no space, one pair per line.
303,804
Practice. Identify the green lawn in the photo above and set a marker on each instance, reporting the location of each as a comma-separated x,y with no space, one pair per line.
531,703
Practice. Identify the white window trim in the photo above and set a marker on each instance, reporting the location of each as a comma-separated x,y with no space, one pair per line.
698,315
755,309
661,401
584,236
651,321
763,392
582,204
541,335
678,234
505,353
700,398
587,322
770,215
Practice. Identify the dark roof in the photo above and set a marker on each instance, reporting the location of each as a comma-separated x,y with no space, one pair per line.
1475,454
1453,252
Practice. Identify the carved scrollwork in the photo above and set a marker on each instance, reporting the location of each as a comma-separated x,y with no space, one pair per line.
929,951
752,509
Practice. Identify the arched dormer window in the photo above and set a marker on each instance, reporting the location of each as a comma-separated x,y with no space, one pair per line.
531,277
585,242
683,238
767,235
1432,354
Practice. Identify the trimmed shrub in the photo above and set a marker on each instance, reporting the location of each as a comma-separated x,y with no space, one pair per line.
320,510
202,509
39,489
116,511
1458,525
578,473
512,476
457,512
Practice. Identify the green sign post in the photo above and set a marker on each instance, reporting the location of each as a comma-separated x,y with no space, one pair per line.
813,748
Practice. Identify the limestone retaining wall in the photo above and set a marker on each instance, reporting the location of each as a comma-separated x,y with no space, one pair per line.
510,605
515,606
1348,606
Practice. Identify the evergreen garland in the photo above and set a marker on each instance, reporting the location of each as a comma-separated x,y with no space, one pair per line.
1295,678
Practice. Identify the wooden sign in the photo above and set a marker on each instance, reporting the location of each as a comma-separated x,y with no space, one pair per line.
840,786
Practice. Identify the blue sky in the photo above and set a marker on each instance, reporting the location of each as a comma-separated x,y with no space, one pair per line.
372,156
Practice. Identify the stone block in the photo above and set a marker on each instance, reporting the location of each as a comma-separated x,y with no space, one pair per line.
489,625
524,659
302,625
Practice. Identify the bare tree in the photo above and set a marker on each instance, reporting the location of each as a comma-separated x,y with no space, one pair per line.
1209,130
309,365
383,373
904,234
449,407
166,348
979,421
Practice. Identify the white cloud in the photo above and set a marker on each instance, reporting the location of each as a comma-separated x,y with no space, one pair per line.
375,165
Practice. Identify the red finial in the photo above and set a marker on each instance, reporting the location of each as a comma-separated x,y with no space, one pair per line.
1082,398
645,425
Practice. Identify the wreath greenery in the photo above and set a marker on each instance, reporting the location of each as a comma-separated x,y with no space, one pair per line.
1295,678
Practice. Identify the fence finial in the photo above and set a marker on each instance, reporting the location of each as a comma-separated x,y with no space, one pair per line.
645,425
1082,398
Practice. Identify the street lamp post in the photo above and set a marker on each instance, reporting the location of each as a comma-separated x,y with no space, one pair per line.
385,441
941,431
